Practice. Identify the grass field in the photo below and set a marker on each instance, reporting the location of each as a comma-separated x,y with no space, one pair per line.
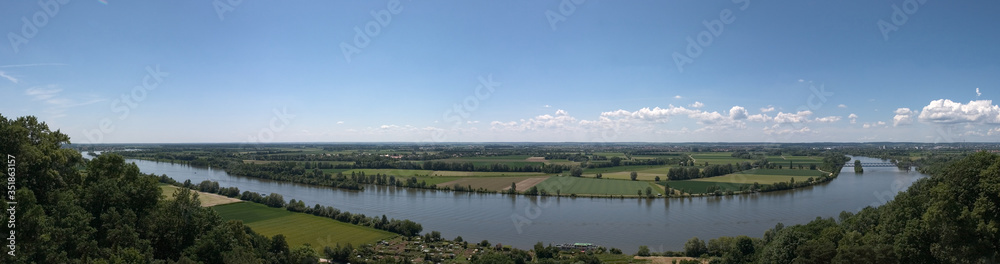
764,176
491,183
795,160
717,158
300,228
575,185
207,199
692,186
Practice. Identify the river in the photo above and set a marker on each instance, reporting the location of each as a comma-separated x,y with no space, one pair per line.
521,221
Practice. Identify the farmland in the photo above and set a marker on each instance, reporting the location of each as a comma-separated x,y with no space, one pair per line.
207,199
574,185
300,228
764,176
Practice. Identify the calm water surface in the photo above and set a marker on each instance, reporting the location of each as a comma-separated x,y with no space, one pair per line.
661,224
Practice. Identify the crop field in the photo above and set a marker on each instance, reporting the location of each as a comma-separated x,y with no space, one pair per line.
750,178
795,160
207,199
487,162
692,186
717,158
491,183
300,228
575,185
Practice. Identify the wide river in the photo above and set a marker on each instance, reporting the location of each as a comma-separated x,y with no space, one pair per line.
661,224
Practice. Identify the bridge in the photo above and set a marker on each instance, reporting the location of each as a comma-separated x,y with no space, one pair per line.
871,164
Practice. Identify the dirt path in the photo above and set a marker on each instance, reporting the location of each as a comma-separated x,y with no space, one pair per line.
526,184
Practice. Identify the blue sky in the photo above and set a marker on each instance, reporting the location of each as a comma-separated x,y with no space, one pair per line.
433,71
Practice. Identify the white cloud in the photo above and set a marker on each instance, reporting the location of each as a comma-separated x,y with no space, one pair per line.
801,80
42,93
787,118
829,119
874,125
677,97
472,122
340,122
696,104
547,106
978,93
759,118
788,131
560,120
904,116
853,118
389,127
738,113
994,131
767,109
842,106
944,111
8,77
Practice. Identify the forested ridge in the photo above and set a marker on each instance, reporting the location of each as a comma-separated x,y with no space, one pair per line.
69,210
953,216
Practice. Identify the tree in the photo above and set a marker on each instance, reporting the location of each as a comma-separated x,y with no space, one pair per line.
643,251
599,175
649,191
695,247
633,175
615,161
576,171
857,167
657,178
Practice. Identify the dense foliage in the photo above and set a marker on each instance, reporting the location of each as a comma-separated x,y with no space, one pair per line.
105,211
951,217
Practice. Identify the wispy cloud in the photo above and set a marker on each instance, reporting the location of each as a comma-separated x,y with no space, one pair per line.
8,77
42,93
33,65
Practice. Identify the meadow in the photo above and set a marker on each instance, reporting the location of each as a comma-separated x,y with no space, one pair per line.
765,176
300,228
692,186
576,185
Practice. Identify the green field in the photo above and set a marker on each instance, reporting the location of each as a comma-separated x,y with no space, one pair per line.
717,158
692,186
490,183
300,228
575,185
764,176
795,160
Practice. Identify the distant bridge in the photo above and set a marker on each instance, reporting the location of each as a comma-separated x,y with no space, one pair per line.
871,164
